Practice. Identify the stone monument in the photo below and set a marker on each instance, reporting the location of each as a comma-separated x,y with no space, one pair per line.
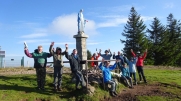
81,38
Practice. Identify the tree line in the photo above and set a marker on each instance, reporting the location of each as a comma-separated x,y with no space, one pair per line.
162,41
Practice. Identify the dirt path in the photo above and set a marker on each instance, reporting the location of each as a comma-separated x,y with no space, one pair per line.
143,90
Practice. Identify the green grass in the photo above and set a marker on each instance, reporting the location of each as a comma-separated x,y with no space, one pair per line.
23,87
170,79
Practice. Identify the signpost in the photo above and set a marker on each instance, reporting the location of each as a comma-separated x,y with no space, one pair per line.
2,55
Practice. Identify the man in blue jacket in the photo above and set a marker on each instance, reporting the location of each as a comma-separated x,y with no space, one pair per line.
106,68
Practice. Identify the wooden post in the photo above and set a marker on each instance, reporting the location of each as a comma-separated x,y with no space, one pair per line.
4,64
87,74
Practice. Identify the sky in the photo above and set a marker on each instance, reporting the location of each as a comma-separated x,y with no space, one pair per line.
40,22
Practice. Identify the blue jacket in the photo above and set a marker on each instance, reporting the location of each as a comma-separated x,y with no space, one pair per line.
107,71
132,66
124,70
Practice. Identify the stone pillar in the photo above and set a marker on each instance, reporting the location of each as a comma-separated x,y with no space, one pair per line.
81,46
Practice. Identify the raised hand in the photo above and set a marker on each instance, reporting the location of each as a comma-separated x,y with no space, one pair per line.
52,43
25,48
109,50
99,50
131,50
66,45
114,53
146,50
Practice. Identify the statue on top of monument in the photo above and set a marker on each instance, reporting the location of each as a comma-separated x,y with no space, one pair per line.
81,21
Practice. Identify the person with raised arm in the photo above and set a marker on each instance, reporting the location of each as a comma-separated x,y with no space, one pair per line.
40,61
94,64
119,56
139,64
106,56
58,65
106,68
75,62
125,73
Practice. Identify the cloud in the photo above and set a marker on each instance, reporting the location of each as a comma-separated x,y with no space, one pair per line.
169,5
147,18
34,35
67,25
112,21
35,41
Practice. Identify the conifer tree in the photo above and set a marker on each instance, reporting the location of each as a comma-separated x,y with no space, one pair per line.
156,39
134,31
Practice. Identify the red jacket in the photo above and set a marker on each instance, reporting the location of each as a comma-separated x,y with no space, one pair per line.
93,62
140,59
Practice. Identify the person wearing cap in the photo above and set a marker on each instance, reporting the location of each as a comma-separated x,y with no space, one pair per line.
40,61
94,64
139,64
58,65
106,56
75,62
106,68
132,69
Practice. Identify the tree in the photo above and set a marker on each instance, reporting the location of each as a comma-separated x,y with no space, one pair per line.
156,39
89,57
174,40
134,31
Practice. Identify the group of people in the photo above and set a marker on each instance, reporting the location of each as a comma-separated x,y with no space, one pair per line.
127,67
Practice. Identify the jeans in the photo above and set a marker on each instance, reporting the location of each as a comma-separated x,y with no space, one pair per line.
127,78
141,73
134,76
58,70
79,79
113,85
41,75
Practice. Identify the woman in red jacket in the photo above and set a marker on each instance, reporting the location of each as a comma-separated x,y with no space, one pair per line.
94,64
139,64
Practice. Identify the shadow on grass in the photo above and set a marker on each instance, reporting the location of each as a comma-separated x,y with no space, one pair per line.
10,85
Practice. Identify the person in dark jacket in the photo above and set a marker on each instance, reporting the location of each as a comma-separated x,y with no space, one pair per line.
58,66
118,57
75,61
40,59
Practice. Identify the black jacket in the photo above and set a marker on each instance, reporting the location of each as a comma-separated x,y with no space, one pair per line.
74,63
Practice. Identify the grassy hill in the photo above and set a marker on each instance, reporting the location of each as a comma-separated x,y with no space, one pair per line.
23,88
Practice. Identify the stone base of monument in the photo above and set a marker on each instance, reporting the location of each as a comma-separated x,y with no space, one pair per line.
81,46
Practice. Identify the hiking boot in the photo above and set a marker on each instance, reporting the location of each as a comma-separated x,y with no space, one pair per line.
131,87
43,89
112,94
145,81
59,89
38,88
78,89
115,93
55,89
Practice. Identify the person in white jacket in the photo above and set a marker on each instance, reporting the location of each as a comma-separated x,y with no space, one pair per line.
132,69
